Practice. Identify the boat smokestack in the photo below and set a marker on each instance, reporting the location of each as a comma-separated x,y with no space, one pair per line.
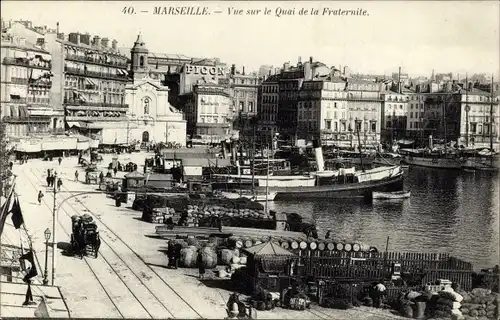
318,153
430,142
224,149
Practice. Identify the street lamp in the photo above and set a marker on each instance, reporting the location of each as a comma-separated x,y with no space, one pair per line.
47,235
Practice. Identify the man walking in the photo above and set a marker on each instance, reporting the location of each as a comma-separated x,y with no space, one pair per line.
59,184
40,197
76,175
59,160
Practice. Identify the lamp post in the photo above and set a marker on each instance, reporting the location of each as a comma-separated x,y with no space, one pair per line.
47,234
54,213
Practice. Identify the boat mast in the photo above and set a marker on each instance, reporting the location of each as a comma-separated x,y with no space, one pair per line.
253,160
267,176
359,144
444,122
466,110
491,116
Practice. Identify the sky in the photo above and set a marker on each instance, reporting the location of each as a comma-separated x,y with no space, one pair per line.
460,37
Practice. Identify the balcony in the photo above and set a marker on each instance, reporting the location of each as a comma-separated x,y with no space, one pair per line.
71,102
23,81
23,62
17,101
94,74
86,118
91,60
46,84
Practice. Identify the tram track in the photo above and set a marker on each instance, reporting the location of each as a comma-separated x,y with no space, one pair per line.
110,234
100,275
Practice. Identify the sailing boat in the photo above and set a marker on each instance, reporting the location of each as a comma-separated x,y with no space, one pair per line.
433,157
486,159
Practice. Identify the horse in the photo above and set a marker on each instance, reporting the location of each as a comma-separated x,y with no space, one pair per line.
92,238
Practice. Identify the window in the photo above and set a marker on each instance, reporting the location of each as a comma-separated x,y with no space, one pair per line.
366,126
335,104
328,124
374,126
336,126
141,61
343,126
479,129
250,106
411,114
241,105
411,125
146,105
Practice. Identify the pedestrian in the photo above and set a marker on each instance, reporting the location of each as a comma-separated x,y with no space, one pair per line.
177,255
48,180
115,170
76,175
48,172
59,160
28,300
40,197
11,165
101,177
201,266
59,184
171,254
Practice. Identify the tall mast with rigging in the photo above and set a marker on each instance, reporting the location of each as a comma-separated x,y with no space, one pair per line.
492,119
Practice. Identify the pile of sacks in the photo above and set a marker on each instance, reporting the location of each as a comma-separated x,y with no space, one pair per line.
480,304
229,261
448,304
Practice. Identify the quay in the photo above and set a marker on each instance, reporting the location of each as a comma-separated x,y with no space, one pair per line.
129,278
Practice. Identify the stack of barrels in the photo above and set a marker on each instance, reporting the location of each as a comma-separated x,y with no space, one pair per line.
296,244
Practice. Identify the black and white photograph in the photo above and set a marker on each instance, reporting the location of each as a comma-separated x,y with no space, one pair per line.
250,160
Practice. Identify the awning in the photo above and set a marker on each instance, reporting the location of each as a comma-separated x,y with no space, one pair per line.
90,82
82,98
15,96
14,112
23,112
73,124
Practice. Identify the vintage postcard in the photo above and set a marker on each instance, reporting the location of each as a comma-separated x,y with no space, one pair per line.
250,159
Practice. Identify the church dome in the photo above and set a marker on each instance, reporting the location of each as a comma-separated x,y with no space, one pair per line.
139,45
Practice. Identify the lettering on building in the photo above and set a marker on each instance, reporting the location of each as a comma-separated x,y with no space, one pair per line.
204,70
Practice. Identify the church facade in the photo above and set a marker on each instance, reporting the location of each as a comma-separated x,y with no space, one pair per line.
150,118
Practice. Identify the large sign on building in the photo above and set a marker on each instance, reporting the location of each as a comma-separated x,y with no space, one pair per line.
205,70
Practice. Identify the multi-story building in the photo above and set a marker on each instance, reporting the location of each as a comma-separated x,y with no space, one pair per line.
89,82
394,114
415,117
463,114
25,87
268,104
336,108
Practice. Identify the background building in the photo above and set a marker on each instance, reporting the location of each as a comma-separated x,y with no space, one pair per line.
25,87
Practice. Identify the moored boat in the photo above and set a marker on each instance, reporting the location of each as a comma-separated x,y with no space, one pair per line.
431,159
391,195
245,194
484,160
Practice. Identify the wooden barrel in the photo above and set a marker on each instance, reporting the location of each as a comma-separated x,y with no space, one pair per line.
247,243
285,245
331,246
363,246
356,247
303,245
313,245
321,246
347,247
294,245
339,246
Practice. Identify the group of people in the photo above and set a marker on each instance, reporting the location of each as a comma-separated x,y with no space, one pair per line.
52,179
173,254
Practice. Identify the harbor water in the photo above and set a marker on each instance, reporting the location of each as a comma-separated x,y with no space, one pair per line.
448,212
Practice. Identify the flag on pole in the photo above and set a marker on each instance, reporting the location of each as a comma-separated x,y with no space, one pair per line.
17,215
5,209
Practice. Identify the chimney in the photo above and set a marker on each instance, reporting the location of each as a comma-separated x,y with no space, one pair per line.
85,38
74,38
343,71
469,86
104,42
243,70
299,61
61,36
57,28
310,59
399,80
114,44
233,69
286,66
96,41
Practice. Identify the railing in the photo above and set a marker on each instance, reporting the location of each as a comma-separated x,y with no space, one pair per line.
85,118
14,80
26,63
21,100
95,74
41,84
95,61
94,104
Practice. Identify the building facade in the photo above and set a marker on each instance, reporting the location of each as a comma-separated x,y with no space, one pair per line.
25,87
336,108
268,104
394,115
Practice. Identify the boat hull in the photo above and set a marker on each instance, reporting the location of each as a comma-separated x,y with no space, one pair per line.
441,163
337,191
482,164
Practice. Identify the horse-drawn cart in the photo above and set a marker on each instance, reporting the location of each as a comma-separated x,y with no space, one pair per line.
84,237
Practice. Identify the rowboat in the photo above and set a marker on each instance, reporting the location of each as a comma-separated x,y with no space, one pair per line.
245,194
391,195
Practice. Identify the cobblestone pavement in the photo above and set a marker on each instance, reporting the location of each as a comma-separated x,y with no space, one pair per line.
128,279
